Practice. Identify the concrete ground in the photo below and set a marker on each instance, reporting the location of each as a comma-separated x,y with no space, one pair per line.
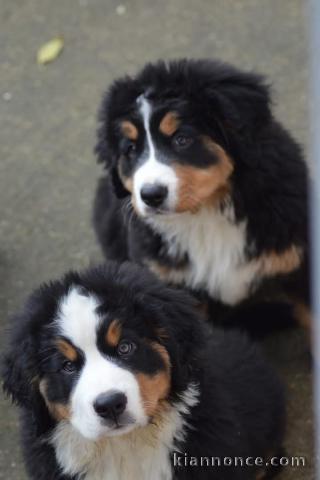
47,128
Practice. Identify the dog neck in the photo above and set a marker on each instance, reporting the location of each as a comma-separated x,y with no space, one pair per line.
144,453
215,244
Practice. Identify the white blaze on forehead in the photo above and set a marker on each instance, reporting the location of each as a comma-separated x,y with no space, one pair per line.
145,110
78,321
152,170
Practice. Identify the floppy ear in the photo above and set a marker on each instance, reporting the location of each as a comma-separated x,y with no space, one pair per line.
21,383
18,371
119,96
242,101
108,158
182,328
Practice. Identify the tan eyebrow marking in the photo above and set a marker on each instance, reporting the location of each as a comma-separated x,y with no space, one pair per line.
129,130
169,123
67,350
113,334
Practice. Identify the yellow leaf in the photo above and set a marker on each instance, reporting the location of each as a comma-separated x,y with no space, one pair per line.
50,51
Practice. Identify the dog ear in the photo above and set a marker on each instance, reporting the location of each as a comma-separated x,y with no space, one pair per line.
20,363
20,382
185,345
181,326
20,374
109,161
107,136
242,101
18,371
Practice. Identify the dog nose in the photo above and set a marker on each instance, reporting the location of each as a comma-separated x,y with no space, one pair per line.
110,404
153,194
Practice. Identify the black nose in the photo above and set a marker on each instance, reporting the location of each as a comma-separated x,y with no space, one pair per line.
153,194
110,404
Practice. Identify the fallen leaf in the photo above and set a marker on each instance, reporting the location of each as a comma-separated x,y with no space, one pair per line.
50,51
121,9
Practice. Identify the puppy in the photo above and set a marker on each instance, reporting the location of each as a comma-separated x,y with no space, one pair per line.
119,378
203,185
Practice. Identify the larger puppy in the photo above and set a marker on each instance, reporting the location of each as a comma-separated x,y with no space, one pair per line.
218,187
115,372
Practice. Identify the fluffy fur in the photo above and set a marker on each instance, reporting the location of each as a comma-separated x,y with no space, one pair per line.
188,389
204,186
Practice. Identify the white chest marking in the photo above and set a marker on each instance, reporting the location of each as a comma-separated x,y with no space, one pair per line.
215,246
142,454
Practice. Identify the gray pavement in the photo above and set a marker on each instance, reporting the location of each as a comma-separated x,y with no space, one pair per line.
47,127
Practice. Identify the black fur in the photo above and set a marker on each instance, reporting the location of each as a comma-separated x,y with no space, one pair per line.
269,182
241,407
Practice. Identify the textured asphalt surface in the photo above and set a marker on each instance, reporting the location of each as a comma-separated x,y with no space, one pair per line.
47,127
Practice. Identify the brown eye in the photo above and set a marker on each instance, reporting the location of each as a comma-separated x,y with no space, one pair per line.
130,148
68,367
126,348
182,141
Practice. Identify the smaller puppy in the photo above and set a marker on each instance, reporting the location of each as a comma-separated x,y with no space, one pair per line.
119,378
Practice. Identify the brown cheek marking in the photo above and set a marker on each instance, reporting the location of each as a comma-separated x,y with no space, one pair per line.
154,389
67,350
113,334
274,263
129,130
128,184
200,186
169,124
127,181
59,411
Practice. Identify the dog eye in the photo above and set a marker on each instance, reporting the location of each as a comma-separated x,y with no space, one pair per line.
130,148
182,141
126,348
68,367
